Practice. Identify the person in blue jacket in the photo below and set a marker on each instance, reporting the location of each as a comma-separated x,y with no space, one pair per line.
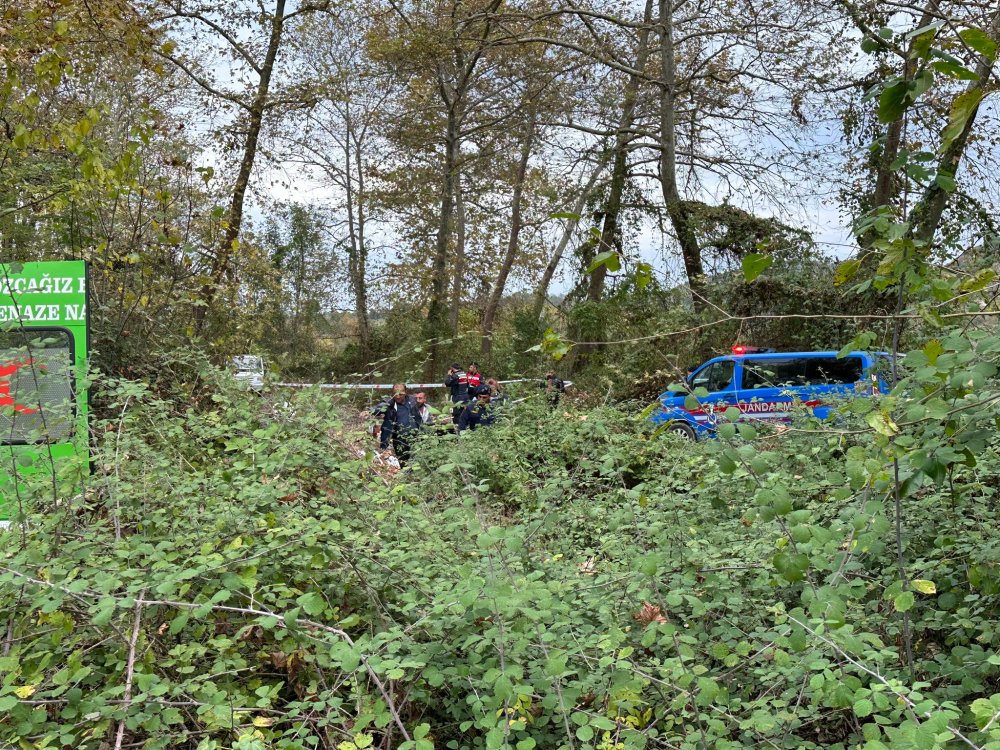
401,424
478,413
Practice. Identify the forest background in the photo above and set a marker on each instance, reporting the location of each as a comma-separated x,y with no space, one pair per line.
470,176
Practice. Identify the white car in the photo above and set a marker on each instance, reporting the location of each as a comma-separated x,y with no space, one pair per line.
249,370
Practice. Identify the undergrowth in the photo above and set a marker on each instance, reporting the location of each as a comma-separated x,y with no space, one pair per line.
235,576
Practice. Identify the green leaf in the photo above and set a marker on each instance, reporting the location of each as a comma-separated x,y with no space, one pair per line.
421,731
931,27
980,42
565,215
585,733
904,601
727,465
893,101
609,259
882,423
603,723
933,350
871,731
643,275
846,271
924,586
920,84
956,70
791,566
291,618
978,282
945,181
869,45
962,109
754,264
863,707
708,691
922,43
312,603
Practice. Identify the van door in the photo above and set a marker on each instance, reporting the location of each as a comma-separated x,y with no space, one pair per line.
718,379
769,386
829,379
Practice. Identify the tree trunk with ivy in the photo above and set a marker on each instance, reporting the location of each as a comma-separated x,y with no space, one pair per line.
678,211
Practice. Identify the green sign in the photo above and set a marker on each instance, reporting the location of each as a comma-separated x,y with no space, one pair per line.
43,399
52,293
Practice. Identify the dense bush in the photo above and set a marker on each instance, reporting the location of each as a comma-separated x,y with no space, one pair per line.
238,575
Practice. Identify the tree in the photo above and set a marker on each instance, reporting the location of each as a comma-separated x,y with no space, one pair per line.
340,136
252,39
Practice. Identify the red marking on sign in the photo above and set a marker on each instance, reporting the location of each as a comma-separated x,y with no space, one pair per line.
6,370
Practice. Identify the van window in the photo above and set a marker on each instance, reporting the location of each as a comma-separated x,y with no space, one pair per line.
801,371
716,377
773,373
36,386
830,370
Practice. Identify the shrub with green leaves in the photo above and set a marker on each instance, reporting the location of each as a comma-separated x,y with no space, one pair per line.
236,577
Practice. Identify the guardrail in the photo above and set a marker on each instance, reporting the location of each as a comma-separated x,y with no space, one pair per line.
389,386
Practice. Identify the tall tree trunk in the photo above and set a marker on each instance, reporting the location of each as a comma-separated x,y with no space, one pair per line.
886,183
513,240
619,169
677,210
357,259
609,239
459,277
437,309
926,215
234,217
542,290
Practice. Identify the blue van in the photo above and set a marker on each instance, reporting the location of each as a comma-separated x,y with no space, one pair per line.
768,385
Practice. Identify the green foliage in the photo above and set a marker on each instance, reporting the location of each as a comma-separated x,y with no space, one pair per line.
754,265
562,579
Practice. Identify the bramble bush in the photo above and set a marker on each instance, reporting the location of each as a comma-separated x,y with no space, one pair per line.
234,576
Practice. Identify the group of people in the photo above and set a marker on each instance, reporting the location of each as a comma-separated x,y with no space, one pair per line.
476,402
471,394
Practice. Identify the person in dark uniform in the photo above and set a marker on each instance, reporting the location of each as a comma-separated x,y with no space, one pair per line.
478,413
401,423
554,388
458,382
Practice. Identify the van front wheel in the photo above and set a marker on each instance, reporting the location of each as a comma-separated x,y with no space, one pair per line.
686,431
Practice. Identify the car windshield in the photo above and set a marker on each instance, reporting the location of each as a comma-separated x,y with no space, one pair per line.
248,363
